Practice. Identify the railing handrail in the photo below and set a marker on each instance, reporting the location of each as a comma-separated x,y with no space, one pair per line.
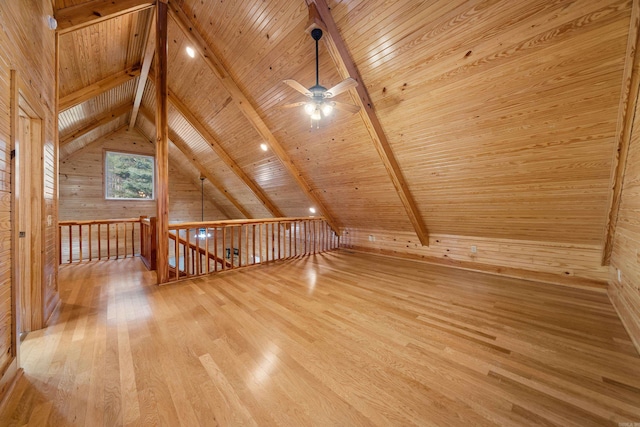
90,232
98,221
227,222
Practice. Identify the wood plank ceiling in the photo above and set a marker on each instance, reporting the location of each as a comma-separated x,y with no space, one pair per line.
501,114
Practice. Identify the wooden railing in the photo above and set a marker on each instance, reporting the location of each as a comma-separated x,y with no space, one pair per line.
200,248
148,241
98,239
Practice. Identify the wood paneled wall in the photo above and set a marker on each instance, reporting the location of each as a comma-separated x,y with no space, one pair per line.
81,186
624,289
575,265
27,46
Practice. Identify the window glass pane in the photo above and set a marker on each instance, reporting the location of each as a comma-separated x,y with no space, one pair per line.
128,176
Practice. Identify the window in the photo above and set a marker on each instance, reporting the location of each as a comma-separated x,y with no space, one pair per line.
128,176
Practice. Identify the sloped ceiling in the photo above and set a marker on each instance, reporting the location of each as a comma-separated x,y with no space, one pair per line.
502,114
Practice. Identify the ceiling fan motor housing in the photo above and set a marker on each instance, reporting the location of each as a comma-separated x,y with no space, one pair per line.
316,33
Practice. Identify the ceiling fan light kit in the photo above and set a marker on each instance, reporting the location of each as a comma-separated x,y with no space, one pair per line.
319,105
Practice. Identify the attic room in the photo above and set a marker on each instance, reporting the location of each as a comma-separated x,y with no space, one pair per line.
319,212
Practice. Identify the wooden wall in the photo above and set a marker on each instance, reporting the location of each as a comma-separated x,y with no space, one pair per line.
28,46
81,185
562,263
624,290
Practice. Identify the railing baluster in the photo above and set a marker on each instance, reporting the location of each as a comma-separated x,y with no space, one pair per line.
80,242
260,242
70,245
232,229
176,255
240,246
215,249
273,242
90,243
186,254
124,233
224,247
246,244
117,241
206,233
59,244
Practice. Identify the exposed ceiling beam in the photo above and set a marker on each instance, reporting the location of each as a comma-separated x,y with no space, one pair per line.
75,17
91,91
147,59
91,144
626,115
189,154
248,110
222,154
318,9
98,121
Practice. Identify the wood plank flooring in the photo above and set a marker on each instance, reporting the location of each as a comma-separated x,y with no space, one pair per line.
336,339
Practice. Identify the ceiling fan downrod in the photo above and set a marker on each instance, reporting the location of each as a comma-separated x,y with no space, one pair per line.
316,33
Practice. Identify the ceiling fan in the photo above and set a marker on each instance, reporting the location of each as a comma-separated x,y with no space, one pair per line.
320,103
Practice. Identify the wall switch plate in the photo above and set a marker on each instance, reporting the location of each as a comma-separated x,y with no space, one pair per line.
619,275
372,238
474,249
49,220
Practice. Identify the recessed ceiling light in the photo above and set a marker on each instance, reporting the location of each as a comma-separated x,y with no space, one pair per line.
264,146
191,52
312,210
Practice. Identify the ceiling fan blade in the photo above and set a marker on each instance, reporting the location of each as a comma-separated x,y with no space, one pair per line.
291,105
346,107
344,85
297,86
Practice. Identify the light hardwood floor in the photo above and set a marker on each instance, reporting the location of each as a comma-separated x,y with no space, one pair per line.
336,339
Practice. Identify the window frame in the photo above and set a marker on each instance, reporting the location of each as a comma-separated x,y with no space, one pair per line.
133,154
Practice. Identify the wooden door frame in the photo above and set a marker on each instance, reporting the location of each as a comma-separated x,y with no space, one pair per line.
21,99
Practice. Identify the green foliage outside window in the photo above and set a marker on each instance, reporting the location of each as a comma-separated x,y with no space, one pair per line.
128,176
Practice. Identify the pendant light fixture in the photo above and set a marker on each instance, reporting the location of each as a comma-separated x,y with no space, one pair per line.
202,232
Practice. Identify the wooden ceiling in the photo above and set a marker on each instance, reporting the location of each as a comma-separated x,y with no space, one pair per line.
501,115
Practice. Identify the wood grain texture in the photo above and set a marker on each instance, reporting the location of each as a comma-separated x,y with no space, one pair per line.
221,174
624,289
93,90
215,145
249,111
335,339
27,47
191,158
89,13
501,114
341,56
82,190
626,115
566,264
95,123
162,142
146,61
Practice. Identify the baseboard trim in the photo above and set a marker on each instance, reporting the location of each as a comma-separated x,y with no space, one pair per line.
619,307
8,382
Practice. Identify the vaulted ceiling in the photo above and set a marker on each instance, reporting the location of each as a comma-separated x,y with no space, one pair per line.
501,115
